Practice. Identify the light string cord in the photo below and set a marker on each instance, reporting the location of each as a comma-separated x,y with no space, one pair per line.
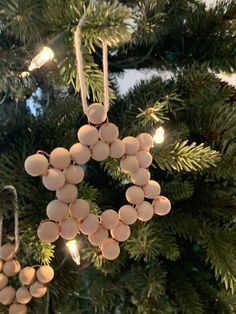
16,217
80,68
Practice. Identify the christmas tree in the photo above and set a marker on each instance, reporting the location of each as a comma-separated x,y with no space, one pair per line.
183,262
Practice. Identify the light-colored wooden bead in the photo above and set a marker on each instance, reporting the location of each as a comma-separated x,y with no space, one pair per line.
162,205
145,141
110,249
145,211
97,113
80,153
57,210
45,274
98,237
3,281
68,228
1,264
23,295
89,225
7,295
37,289
152,189
68,193
108,132
144,159
27,275
36,165
131,145
79,209
60,158
109,219
121,232
140,177
48,231
74,174
88,135
11,268
117,149
53,180
100,151
134,195
129,164
128,214
17,308
7,251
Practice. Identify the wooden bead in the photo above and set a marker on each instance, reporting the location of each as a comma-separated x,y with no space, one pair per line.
144,159
68,193
100,151
89,225
7,251
60,158
110,249
3,281
57,210
129,164
7,295
68,228
152,189
45,274
23,295
79,209
53,180
145,141
88,135
48,231
109,219
121,232
128,214
131,145
1,264
161,205
17,308
117,149
37,289
97,113
108,132
36,165
145,211
98,237
134,195
11,268
80,153
74,174
27,275
141,176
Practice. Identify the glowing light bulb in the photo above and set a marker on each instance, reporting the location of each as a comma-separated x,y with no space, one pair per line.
74,251
43,57
159,136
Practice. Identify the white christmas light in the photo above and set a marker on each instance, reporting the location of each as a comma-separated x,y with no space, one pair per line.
74,251
45,55
159,136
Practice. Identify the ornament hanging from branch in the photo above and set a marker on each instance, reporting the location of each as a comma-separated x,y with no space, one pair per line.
32,280
62,171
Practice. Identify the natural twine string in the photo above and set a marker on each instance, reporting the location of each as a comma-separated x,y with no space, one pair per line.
80,68
16,217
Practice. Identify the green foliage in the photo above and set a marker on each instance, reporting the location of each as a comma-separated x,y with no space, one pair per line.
181,156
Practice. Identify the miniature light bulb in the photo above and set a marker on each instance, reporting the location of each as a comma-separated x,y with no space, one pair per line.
159,136
45,55
74,250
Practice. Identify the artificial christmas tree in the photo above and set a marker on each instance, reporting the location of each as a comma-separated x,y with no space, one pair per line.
183,262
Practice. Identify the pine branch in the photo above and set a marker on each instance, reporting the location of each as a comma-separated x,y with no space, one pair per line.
178,190
181,156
